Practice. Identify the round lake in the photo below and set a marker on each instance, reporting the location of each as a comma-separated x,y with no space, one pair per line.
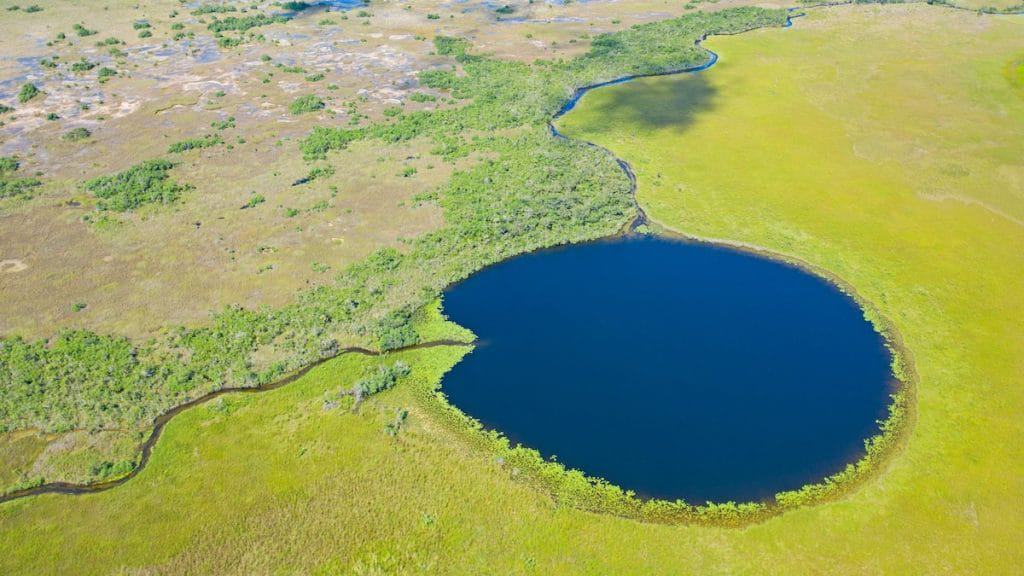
676,370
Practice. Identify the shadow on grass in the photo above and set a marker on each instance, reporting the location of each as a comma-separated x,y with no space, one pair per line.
663,103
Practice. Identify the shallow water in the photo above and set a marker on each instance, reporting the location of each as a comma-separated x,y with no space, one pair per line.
677,370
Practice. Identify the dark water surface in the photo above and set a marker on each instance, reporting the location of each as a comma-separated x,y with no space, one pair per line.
673,369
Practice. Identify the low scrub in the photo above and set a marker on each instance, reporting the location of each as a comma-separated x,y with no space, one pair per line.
141,185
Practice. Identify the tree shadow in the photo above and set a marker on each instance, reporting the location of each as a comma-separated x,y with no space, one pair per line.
659,103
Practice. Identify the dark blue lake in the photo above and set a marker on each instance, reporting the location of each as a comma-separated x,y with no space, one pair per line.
677,370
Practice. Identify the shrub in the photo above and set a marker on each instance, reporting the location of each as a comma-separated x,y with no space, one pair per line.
105,74
307,103
207,141
422,97
8,164
27,92
223,124
17,187
76,135
213,9
142,184
382,379
82,65
244,23
253,202
82,31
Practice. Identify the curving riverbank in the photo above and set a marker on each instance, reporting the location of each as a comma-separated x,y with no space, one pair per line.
161,421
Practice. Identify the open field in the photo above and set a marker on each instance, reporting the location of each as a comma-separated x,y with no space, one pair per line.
882,144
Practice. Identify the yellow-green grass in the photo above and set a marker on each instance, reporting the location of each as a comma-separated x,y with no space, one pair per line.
884,145
826,142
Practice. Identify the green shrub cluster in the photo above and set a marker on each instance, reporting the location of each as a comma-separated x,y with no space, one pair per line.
207,141
142,184
213,9
76,134
11,187
381,379
223,124
27,92
306,103
82,65
82,31
8,165
243,23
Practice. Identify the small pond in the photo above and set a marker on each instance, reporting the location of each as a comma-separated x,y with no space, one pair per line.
673,369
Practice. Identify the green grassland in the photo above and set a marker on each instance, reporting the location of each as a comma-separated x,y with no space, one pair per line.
894,161
881,144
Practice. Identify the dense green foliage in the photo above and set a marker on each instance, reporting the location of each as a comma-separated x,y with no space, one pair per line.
206,141
76,134
213,9
83,31
8,164
27,92
142,184
307,103
14,187
82,65
381,379
526,190
244,23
